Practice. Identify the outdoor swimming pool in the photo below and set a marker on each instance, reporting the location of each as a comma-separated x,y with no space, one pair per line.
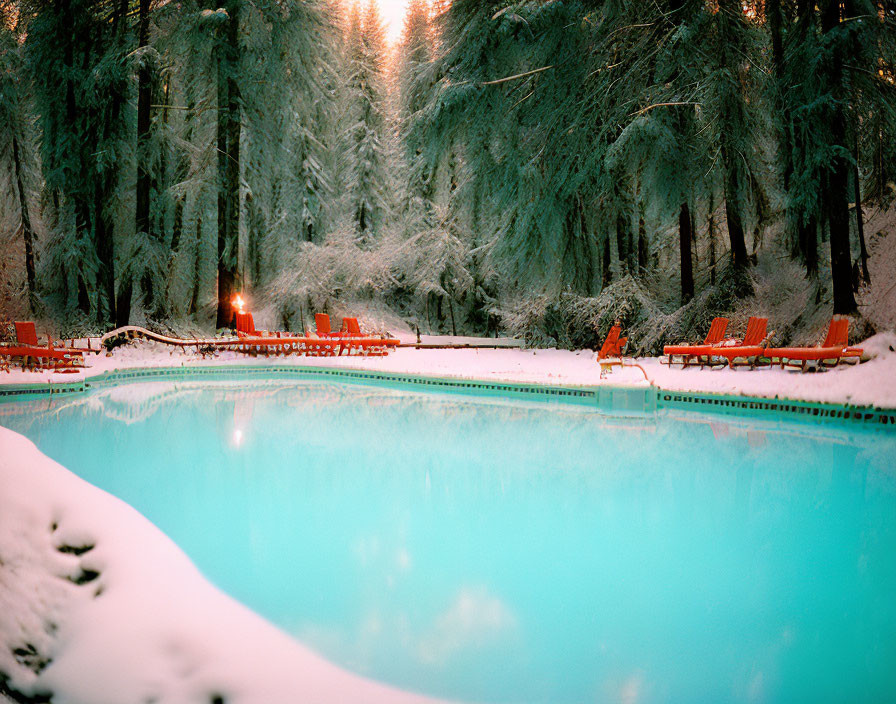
504,551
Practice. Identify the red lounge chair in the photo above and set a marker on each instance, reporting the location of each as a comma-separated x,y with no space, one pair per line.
700,352
30,354
355,341
833,350
350,327
26,333
749,349
322,323
614,344
245,325
327,342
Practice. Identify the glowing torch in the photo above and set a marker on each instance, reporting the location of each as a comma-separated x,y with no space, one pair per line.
239,303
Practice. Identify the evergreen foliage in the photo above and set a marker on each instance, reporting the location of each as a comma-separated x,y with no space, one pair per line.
517,162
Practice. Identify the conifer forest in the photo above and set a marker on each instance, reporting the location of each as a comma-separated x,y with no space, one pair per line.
529,167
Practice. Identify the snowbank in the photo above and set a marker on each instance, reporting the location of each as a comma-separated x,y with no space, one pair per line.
97,606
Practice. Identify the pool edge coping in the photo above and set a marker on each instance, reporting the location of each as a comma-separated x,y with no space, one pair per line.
610,398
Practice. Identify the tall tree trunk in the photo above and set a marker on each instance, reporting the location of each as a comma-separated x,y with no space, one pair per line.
733,210
197,268
622,239
807,234
105,252
123,307
684,239
144,99
695,255
606,274
712,244
775,23
182,169
144,180
860,225
79,202
27,231
642,244
228,166
837,192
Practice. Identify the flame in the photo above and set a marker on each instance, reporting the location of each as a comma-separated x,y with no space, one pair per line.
239,303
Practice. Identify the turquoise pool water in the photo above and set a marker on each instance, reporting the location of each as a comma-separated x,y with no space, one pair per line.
499,551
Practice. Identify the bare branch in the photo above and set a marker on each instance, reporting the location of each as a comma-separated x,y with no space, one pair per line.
660,105
519,75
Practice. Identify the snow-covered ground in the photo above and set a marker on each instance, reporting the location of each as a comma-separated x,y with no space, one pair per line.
97,605
870,383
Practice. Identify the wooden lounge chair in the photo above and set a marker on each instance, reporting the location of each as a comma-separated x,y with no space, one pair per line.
245,325
30,354
688,353
322,325
747,352
612,347
351,327
834,350
614,344
26,333
354,341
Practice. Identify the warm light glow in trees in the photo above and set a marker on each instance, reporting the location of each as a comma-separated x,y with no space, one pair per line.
393,13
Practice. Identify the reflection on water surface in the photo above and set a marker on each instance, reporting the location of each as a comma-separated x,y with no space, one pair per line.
504,551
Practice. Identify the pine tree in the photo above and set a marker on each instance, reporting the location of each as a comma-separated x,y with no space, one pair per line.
16,141
76,50
364,132
735,126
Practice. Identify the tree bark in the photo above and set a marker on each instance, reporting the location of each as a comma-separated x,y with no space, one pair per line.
27,231
684,239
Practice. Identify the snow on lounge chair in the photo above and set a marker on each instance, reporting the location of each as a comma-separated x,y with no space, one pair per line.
750,349
614,344
245,327
833,350
265,342
687,353
30,354
357,342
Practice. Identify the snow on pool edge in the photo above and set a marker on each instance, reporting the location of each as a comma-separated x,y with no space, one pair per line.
149,626
872,383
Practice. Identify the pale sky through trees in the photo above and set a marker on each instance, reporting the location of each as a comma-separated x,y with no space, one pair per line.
392,12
